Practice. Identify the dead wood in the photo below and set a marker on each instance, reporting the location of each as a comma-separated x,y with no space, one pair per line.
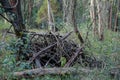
115,72
44,71
38,64
44,35
73,57
48,47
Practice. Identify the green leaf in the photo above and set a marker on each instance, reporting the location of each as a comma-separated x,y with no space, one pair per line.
63,61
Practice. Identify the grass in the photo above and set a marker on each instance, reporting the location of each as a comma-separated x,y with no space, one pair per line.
107,51
4,25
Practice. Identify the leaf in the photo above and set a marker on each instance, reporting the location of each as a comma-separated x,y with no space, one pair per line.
63,61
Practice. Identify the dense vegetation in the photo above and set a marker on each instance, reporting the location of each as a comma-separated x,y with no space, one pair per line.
95,26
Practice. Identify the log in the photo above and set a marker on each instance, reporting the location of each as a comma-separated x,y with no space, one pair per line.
50,71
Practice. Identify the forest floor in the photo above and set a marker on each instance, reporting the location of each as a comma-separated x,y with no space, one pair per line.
107,51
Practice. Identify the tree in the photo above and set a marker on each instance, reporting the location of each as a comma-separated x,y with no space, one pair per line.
69,16
93,15
67,12
51,22
100,19
116,15
46,11
13,10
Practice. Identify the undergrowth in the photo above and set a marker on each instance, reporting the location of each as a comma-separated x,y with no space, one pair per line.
107,51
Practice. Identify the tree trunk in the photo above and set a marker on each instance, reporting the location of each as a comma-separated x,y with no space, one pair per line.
16,20
13,11
51,23
110,17
100,20
69,16
74,21
116,16
30,7
67,12
93,16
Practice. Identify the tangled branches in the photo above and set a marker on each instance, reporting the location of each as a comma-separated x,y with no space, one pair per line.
52,50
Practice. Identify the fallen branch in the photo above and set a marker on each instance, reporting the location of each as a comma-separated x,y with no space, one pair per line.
73,57
43,34
37,54
44,71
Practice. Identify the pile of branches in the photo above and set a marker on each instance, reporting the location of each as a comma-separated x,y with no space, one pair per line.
52,53
53,50
55,54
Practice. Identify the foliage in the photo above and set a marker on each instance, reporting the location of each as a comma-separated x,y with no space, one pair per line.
3,25
42,12
63,61
9,61
109,54
107,51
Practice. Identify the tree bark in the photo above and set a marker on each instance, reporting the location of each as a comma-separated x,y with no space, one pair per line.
116,16
110,17
67,12
30,7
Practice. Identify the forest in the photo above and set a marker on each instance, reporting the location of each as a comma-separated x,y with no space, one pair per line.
59,39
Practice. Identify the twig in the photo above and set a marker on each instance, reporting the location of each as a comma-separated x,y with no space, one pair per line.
5,18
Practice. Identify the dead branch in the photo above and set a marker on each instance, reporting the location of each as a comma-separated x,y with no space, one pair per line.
38,64
73,57
48,47
42,34
44,71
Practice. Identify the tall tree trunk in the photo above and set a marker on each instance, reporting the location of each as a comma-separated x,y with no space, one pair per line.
74,21
65,10
69,19
93,16
116,22
116,16
110,17
67,13
30,7
51,23
100,20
